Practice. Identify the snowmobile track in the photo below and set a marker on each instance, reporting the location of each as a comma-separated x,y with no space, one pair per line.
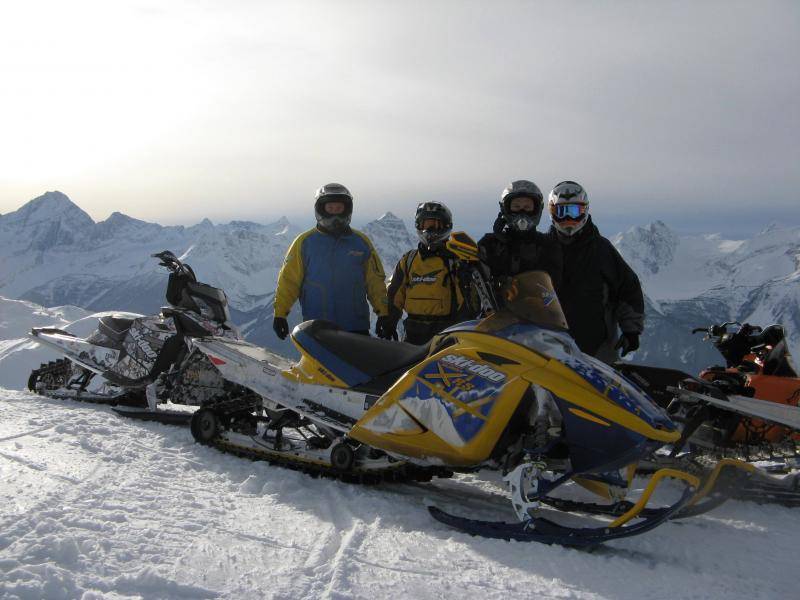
402,473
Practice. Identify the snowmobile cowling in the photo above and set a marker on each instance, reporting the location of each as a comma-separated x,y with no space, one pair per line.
456,404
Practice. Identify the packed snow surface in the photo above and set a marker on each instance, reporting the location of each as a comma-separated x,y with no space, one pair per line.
19,353
96,506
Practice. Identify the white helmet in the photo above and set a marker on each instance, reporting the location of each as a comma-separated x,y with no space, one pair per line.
569,207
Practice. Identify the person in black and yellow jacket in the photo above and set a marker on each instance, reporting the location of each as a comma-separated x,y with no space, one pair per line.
426,283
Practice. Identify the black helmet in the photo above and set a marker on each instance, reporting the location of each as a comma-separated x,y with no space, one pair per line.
569,207
433,210
333,192
522,222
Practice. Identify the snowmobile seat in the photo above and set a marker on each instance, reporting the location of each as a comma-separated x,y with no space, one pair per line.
114,327
779,362
656,381
354,358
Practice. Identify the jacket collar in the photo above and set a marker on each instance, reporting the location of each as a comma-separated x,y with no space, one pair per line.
337,234
587,233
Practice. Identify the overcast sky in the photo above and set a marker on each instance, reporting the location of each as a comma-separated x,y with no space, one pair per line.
687,112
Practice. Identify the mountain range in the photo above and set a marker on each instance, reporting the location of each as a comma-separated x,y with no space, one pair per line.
53,253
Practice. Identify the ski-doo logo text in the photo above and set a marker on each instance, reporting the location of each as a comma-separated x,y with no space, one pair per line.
143,344
474,366
424,278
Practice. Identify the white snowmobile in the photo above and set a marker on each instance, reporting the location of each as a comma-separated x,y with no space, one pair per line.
141,361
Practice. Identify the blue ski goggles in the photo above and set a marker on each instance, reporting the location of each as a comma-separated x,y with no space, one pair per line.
569,211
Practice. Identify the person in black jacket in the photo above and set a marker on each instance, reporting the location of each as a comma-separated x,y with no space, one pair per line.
515,246
599,291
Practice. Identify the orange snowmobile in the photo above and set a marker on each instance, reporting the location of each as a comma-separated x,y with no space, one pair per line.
747,409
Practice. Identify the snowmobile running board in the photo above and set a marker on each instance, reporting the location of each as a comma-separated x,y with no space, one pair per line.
544,531
180,418
782,414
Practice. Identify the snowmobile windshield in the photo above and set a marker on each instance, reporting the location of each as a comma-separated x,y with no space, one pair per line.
531,315
530,298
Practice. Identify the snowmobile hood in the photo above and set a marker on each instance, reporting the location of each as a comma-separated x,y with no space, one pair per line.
566,358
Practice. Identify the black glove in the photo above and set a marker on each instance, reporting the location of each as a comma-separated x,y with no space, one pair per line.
386,328
628,342
281,327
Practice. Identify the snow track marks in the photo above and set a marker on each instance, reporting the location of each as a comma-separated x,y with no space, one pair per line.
95,506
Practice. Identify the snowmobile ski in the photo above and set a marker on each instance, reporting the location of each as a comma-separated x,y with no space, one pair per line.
532,528
547,532
719,484
782,414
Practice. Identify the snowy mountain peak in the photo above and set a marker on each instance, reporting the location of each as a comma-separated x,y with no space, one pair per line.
118,219
652,247
283,227
118,224
390,238
54,200
49,220
49,206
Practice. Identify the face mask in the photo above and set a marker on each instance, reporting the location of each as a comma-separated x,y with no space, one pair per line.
522,222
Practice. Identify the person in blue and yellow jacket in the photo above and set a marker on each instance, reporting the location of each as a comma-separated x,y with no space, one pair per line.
332,269
427,283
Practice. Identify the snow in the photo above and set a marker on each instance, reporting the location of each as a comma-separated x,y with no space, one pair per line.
95,506
19,354
679,267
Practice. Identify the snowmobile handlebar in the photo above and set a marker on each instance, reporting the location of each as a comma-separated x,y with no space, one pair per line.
717,330
173,264
735,345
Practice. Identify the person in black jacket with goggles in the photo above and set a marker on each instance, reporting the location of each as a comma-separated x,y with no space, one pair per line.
599,292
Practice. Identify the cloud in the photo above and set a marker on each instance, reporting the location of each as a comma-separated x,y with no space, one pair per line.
243,109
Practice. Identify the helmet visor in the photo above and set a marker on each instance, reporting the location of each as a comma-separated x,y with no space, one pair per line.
431,223
573,212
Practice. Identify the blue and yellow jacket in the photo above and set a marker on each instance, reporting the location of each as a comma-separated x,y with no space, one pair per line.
333,277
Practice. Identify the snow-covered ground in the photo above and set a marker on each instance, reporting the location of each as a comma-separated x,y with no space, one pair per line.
95,506
18,352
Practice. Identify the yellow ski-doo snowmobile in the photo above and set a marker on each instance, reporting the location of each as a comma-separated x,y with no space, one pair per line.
511,392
